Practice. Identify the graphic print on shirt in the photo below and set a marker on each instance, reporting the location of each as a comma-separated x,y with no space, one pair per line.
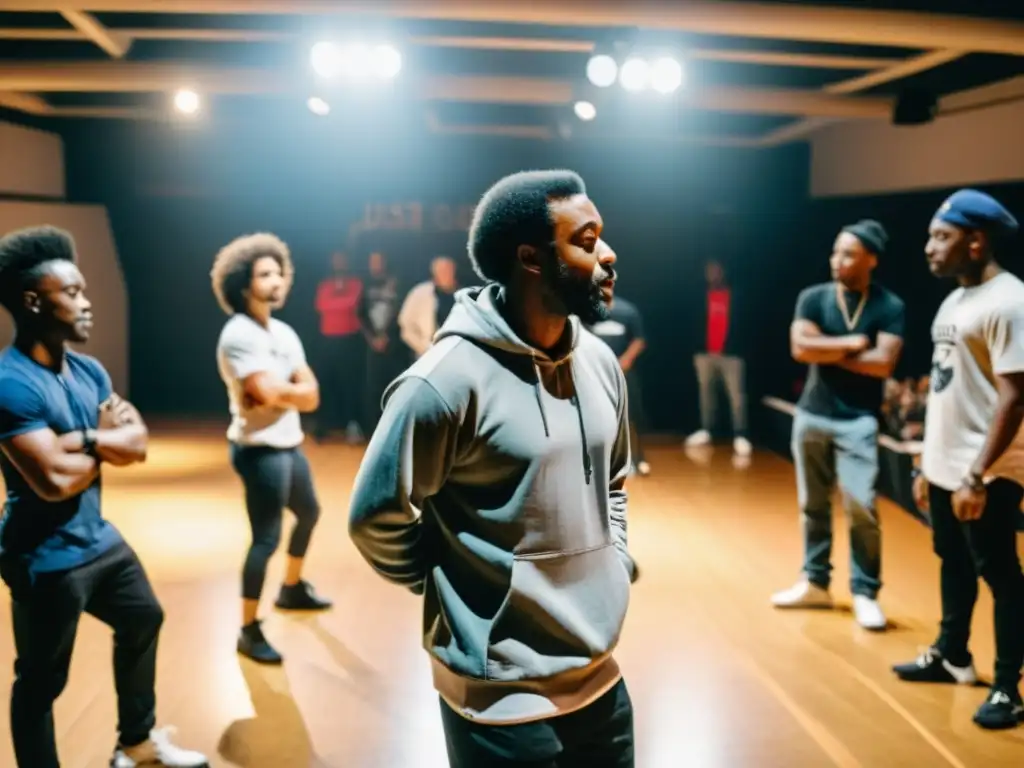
608,328
944,339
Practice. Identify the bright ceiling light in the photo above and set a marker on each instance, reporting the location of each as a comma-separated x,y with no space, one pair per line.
585,110
666,75
387,61
186,101
318,106
602,70
326,59
635,74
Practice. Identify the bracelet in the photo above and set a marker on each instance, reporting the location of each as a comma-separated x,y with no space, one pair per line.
974,482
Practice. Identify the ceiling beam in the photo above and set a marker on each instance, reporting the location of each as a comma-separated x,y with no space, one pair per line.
116,45
853,26
912,66
140,77
24,102
524,44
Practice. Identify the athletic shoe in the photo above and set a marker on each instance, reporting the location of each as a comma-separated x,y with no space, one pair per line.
158,751
803,594
931,667
1002,709
253,644
301,597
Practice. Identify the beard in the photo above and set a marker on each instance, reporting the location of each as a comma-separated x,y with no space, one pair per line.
580,296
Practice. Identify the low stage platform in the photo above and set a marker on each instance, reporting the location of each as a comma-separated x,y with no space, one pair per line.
719,679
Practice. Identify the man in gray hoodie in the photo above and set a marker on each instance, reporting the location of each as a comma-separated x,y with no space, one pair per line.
494,485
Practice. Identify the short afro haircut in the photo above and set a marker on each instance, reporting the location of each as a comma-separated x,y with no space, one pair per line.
232,268
515,212
24,254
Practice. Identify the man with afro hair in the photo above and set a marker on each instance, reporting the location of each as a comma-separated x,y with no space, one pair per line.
494,485
269,383
60,421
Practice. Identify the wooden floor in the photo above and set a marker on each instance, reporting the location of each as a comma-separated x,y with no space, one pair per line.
718,678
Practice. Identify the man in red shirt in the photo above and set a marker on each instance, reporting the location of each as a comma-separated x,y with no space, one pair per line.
720,358
342,347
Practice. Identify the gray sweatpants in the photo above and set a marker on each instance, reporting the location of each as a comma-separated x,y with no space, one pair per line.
732,371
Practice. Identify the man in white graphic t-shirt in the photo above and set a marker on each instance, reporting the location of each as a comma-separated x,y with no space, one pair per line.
973,462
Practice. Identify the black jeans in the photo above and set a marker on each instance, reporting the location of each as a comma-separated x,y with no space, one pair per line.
115,589
274,478
987,548
341,374
598,736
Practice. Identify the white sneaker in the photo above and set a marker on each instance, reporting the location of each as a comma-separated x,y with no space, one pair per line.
803,594
698,438
868,613
742,447
158,751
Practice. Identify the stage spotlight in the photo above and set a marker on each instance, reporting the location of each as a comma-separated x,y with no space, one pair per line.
186,101
666,75
635,74
326,59
387,61
318,106
585,110
602,70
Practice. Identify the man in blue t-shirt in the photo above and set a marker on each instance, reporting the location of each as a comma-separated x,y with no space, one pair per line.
850,333
59,422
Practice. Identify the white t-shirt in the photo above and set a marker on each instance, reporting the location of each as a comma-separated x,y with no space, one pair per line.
978,334
245,347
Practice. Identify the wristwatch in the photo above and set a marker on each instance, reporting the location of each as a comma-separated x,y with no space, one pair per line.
974,481
89,442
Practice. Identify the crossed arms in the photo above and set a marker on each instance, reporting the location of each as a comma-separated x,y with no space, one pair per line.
301,391
58,467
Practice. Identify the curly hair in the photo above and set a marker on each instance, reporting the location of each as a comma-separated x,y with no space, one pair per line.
515,212
24,254
232,268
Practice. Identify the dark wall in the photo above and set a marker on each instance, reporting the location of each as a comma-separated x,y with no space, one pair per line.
176,194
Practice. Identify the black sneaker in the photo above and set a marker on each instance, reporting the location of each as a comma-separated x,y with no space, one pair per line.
253,644
930,667
301,597
1002,709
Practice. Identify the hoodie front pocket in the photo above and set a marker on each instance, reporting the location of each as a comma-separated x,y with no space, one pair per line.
561,612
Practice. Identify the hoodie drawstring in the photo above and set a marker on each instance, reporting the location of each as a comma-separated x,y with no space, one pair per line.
588,469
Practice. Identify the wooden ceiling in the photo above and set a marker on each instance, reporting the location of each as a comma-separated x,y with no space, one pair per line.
757,74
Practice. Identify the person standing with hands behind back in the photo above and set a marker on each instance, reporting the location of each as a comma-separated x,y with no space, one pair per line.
973,461
850,333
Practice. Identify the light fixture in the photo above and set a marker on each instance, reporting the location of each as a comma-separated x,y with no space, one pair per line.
602,70
585,110
318,106
635,74
387,61
326,59
355,61
666,75
186,101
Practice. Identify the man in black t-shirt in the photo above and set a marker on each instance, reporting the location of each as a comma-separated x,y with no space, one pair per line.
849,332
378,313
623,332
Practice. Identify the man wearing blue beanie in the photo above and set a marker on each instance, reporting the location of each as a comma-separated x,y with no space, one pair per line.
973,462
849,331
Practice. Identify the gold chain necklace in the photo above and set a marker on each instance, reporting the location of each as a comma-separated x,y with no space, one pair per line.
841,300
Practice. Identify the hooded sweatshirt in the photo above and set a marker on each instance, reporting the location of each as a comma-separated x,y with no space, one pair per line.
494,486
